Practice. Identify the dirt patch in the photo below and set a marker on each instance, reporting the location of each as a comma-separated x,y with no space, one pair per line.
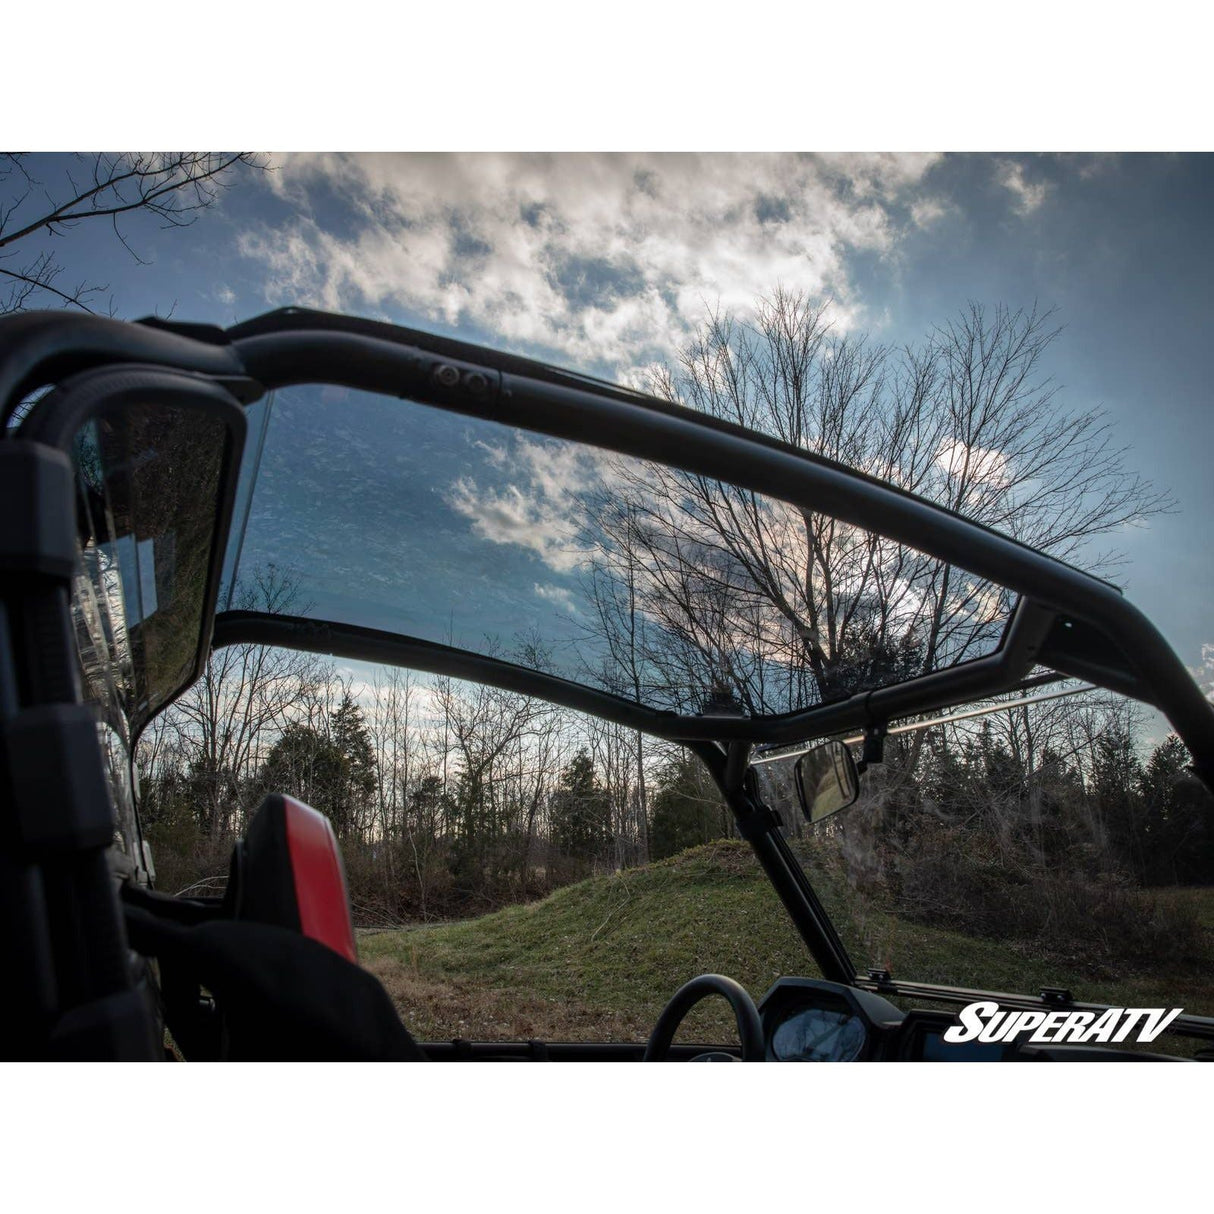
440,1009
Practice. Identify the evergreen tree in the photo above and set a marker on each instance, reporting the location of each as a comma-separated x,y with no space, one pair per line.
1116,780
352,741
303,763
1177,814
687,808
580,812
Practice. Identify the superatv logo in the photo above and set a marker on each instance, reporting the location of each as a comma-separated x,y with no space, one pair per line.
986,1022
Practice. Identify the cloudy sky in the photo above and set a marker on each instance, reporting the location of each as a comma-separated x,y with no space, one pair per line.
607,262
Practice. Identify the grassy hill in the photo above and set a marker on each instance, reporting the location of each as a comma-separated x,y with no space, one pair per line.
598,960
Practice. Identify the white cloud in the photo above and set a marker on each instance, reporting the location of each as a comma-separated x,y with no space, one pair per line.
495,456
1027,196
929,210
560,596
607,258
509,516
541,508
1204,674
982,465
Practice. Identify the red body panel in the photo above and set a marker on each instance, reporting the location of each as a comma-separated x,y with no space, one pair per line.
320,880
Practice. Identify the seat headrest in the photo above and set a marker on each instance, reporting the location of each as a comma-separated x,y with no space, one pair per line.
288,872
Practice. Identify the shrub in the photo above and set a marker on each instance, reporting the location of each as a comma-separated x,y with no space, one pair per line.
962,879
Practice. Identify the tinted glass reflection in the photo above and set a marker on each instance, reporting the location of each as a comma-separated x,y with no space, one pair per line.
667,588
148,481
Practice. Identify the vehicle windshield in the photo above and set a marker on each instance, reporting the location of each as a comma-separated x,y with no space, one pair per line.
1024,843
663,587
1012,851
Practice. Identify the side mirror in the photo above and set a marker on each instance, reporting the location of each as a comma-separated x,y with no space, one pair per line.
827,780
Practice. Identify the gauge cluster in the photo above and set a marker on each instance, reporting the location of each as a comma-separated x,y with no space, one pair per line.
811,1020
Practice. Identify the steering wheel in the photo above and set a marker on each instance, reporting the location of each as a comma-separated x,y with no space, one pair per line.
750,1027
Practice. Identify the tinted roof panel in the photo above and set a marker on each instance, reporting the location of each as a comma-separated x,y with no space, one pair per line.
611,571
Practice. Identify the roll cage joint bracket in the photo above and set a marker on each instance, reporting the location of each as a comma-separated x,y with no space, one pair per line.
873,750
756,818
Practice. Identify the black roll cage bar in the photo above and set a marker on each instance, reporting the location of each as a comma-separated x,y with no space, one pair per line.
1065,619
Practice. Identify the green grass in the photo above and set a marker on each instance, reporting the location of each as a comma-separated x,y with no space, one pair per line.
598,960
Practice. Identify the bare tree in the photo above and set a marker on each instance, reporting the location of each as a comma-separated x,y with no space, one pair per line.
410,793
492,734
785,606
37,214
223,724
619,754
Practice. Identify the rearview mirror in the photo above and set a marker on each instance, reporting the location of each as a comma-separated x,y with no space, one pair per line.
827,780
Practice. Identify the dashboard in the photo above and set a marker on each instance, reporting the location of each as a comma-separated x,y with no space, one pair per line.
812,1020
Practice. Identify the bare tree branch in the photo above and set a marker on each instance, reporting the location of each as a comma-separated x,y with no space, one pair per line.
173,187
789,607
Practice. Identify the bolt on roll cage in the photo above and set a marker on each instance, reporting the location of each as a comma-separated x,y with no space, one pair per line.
1065,621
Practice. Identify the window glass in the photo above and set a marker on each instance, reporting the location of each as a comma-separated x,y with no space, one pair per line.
657,585
1061,843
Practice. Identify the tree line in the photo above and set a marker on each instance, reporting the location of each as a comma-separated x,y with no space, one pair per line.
446,796
450,798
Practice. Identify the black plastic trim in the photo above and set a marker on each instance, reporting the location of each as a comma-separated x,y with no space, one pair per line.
35,481
58,782
45,347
